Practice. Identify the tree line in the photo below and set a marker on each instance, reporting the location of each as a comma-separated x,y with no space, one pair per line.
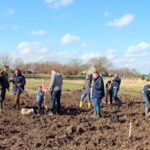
74,67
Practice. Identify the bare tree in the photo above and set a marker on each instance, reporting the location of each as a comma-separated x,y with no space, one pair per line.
5,59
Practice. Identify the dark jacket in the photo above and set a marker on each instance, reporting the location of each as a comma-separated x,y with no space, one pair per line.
20,79
116,82
5,80
98,88
146,91
87,85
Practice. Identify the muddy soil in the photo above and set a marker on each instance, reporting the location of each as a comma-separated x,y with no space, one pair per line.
75,129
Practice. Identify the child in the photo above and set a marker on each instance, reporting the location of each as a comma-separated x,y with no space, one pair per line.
39,99
86,92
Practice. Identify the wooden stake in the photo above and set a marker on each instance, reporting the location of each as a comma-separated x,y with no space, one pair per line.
130,129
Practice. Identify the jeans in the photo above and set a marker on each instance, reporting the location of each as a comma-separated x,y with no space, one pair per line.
115,96
96,102
87,95
39,105
146,100
56,95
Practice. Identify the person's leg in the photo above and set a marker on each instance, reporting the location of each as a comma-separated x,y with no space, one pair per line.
82,99
107,95
1,100
98,107
94,106
88,100
58,101
39,104
17,100
3,93
116,99
53,99
110,96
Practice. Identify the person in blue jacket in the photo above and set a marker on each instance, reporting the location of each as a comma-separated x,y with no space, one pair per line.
97,94
19,82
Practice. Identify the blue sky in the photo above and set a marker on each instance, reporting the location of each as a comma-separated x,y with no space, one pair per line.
62,30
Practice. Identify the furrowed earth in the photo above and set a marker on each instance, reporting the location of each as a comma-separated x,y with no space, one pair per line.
74,129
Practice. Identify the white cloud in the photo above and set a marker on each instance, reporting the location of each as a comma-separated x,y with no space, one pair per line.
137,50
121,22
10,12
38,51
39,32
24,47
58,3
68,39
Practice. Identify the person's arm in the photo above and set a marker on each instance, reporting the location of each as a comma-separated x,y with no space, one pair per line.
52,81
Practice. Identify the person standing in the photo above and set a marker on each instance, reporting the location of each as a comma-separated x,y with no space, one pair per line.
4,85
109,92
39,99
19,82
146,97
116,81
97,94
55,91
86,92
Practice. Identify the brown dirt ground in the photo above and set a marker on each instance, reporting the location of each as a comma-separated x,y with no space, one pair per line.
75,129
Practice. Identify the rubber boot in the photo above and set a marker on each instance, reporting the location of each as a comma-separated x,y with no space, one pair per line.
81,104
89,105
146,112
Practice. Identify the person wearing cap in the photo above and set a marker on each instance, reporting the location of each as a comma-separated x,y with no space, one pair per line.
116,81
97,93
4,84
146,97
55,91
86,92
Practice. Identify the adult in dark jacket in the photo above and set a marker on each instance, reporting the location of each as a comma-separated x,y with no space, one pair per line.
19,82
116,81
146,97
5,81
4,85
97,93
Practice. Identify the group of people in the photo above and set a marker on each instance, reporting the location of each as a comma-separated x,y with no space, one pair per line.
18,81
93,91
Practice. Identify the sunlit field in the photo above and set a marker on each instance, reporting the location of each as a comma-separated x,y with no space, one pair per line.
128,86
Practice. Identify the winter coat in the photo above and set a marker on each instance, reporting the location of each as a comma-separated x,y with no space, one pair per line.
98,88
20,79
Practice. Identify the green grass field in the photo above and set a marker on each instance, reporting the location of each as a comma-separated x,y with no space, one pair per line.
128,86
